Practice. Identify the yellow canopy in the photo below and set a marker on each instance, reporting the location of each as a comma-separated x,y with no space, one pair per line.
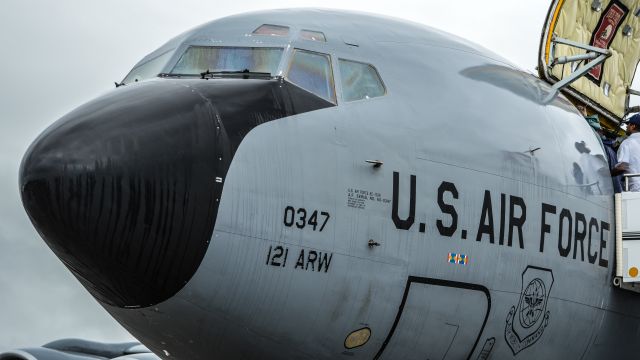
606,24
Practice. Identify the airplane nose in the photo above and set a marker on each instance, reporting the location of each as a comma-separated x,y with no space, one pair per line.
125,188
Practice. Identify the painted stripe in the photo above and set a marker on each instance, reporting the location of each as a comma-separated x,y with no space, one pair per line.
552,26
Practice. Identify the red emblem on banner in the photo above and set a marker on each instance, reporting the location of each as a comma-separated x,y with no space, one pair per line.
605,33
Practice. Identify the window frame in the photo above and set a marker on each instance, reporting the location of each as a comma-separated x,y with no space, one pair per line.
308,31
375,69
292,57
288,34
140,65
276,71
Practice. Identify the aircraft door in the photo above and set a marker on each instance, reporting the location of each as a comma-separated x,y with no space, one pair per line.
437,320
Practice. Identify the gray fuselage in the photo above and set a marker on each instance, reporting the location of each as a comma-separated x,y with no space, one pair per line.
486,232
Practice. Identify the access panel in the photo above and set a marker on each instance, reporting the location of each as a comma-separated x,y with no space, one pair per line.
437,319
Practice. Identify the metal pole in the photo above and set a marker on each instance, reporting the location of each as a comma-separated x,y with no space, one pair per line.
602,51
573,77
573,58
626,180
626,183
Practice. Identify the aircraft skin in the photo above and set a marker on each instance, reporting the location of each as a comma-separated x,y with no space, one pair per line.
487,232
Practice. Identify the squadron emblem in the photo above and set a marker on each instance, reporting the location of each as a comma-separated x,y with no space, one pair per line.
531,310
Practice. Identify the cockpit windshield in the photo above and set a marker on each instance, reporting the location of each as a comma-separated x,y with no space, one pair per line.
312,72
199,59
148,69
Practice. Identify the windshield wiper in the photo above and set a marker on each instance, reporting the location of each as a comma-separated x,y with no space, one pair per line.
245,74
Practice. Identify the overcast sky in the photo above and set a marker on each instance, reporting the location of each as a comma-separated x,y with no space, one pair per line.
57,55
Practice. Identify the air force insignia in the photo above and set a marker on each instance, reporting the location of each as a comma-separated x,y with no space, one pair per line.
526,321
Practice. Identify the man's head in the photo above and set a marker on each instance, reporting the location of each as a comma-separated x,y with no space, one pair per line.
633,124
582,109
593,121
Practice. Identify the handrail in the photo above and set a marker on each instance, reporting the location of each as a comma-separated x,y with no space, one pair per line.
618,232
626,180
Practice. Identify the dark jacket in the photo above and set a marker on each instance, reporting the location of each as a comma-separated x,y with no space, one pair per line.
613,160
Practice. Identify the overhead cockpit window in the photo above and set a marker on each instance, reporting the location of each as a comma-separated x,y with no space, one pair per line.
312,35
359,81
312,72
149,69
272,30
198,59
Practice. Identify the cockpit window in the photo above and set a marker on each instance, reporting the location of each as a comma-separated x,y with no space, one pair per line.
198,59
359,81
272,30
312,35
149,69
312,72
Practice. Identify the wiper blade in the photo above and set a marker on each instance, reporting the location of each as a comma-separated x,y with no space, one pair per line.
245,74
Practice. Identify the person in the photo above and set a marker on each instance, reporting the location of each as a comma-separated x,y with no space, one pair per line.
583,110
612,157
629,153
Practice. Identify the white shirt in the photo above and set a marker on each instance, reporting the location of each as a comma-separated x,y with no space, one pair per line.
629,152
